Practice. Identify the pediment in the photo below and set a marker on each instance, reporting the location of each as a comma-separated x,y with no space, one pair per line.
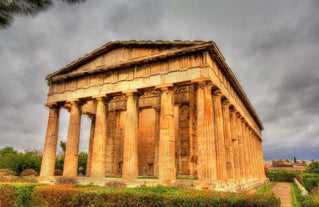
120,53
113,57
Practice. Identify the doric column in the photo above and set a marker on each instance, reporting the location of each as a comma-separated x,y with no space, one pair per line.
166,160
72,144
228,141
253,154
250,148
89,160
206,165
234,137
98,165
51,139
130,154
240,146
261,158
245,148
219,133
157,131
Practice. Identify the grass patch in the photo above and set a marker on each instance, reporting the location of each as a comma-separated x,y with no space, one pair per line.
298,200
267,190
295,194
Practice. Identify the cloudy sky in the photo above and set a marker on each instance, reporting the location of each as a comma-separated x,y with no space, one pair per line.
272,47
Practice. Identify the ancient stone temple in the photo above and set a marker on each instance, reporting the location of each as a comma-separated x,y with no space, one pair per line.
162,109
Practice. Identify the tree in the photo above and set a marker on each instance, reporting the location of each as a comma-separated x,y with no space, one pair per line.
9,159
295,160
83,156
313,168
17,161
30,159
59,161
9,9
63,146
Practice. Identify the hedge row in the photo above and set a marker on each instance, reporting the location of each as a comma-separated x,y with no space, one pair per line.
16,195
70,195
310,181
281,175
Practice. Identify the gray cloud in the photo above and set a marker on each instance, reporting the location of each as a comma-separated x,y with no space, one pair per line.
271,46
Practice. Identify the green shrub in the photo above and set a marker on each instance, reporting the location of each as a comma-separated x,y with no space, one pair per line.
67,195
17,195
26,195
281,175
310,181
303,201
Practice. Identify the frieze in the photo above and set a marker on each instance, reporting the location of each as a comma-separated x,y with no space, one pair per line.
181,89
153,93
118,98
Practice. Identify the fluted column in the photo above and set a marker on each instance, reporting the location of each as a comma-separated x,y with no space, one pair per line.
72,145
240,146
89,160
250,159
254,154
156,147
219,133
167,170
130,154
206,166
245,148
261,158
51,139
98,166
228,141
234,137
250,148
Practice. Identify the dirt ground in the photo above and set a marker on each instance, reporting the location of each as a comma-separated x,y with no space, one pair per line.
282,191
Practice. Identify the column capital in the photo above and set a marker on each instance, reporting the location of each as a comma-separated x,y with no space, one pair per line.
76,102
233,110
165,87
203,84
225,102
217,93
103,98
157,108
134,93
53,105
91,116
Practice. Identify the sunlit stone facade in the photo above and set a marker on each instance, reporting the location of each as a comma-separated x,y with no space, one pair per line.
158,108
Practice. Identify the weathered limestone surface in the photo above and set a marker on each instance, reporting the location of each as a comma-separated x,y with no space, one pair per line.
167,170
161,109
73,140
51,139
98,165
207,164
130,157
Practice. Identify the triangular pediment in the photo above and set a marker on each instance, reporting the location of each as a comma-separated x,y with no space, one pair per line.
121,53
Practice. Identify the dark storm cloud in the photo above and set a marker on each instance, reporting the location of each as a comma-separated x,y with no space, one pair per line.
135,19
271,46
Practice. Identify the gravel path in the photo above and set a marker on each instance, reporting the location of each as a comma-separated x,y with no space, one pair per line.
282,191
